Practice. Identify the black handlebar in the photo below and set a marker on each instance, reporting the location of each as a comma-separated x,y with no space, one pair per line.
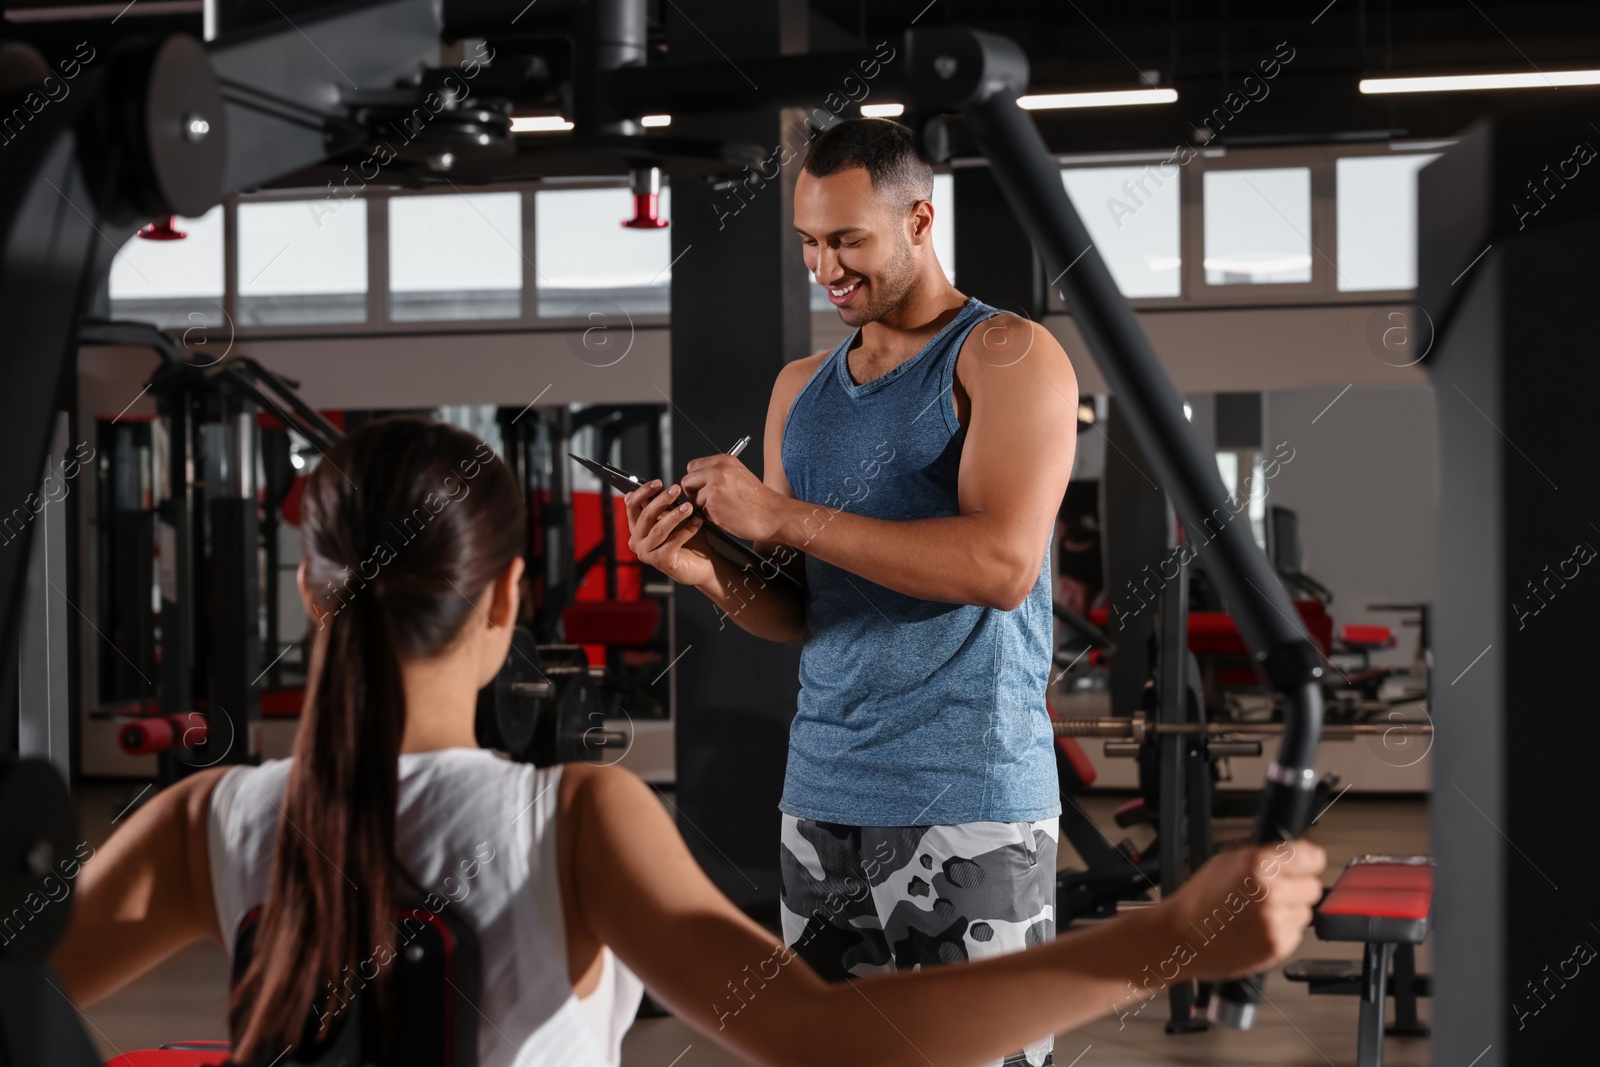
981,75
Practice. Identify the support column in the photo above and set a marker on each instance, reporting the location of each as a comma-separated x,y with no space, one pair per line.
1135,530
1508,224
739,313
995,260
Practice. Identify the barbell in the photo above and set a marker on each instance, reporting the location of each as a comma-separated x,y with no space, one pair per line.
1138,728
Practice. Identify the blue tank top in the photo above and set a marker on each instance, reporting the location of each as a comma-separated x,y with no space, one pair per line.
911,712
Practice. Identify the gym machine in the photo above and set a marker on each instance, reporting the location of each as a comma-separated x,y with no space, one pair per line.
586,596
167,127
205,528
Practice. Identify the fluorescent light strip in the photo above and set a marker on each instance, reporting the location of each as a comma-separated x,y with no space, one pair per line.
1117,98
557,124
539,124
1467,82
104,11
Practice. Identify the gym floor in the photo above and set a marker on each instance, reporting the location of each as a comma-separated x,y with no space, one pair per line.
186,997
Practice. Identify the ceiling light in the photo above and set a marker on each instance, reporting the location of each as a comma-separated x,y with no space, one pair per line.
1116,98
1549,79
539,124
882,111
656,120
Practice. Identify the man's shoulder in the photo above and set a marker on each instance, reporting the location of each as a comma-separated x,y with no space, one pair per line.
1006,340
805,366
794,375
1005,335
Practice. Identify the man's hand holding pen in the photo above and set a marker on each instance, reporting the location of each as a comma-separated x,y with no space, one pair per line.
731,495
665,524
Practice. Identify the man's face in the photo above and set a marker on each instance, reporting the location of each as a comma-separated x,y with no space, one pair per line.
862,248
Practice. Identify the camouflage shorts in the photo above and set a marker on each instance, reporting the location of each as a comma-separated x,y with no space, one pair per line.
859,900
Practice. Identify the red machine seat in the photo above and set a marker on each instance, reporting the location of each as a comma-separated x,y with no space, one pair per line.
283,703
178,1054
611,622
1357,635
1379,898
1215,633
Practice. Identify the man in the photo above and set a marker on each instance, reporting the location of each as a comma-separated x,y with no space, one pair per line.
917,469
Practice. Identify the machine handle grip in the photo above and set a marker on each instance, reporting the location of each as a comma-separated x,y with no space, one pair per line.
1285,812
1233,1004
158,733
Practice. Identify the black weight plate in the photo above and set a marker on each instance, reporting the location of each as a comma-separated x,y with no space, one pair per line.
577,711
505,720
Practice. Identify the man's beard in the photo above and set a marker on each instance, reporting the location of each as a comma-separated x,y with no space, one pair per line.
889,293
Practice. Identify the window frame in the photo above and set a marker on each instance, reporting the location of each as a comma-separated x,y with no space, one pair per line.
1322,290
376,203
1321,161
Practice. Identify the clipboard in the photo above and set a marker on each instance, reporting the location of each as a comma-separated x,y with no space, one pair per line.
725,544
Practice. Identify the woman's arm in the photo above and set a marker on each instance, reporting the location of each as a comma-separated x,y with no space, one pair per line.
632,883
145,894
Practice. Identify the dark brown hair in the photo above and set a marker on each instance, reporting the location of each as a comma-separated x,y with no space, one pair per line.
403,521
885,148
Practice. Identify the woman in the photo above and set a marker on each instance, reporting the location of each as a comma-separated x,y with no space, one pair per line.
574,878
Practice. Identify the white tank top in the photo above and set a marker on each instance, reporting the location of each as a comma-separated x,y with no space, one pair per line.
479,831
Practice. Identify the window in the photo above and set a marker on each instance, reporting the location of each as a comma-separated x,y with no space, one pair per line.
302,261
480,420
1132,217
589,262
172,284
944,238
1258,226
455,256
944,223
1376,209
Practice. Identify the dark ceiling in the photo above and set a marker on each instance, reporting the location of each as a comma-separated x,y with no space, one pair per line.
1205,50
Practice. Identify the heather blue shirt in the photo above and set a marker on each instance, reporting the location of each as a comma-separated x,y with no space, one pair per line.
911,712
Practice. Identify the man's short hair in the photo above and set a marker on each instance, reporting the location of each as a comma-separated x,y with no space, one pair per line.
884,148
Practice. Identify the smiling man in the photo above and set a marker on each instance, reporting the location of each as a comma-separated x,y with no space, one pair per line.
916,469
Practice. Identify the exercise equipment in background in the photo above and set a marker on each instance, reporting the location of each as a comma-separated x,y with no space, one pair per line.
586,587
544,708
181,509
1386,904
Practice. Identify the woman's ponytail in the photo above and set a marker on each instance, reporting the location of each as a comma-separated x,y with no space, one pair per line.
325,930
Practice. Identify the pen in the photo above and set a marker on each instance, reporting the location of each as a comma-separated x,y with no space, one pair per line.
739,446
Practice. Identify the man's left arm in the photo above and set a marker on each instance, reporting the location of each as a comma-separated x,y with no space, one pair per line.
1021,432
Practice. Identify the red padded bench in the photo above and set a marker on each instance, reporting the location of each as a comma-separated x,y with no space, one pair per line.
178,1054
610,622
1356,639
602,625
1226,661
1385,902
